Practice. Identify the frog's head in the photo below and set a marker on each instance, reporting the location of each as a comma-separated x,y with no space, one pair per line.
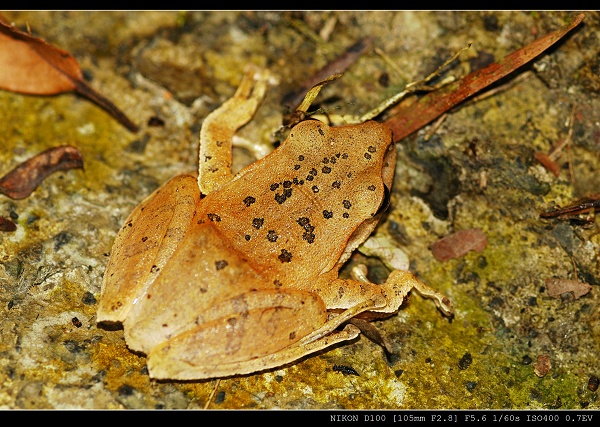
353,161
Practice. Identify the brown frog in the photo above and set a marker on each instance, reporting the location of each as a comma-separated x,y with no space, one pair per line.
218,275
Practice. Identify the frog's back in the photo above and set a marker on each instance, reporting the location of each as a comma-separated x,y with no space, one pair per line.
292,213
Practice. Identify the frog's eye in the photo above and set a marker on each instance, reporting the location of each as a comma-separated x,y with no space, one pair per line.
385,202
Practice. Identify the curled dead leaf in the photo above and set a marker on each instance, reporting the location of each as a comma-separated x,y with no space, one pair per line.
7,225
24,179
31,65
558,287
459,244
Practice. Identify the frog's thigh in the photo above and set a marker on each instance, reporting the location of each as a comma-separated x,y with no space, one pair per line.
145,243
255,338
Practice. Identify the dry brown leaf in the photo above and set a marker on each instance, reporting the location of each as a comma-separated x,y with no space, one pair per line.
30,65
7,225
547,162
459,244
542,365
24,179
557,287
371,332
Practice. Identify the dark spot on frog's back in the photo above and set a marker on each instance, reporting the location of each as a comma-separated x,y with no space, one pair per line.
309,237
220,264
249,200
280,198
213,217
321,131
302,221
285,256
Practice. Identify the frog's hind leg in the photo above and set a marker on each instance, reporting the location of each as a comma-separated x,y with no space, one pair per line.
145,243
284,326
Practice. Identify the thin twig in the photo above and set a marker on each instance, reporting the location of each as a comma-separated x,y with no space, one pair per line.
389,61
212,394
556,152
419,85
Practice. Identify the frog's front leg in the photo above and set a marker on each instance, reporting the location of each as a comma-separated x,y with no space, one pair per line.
396,260
219,127
343,294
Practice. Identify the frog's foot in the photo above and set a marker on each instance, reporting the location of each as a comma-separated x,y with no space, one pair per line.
219,127
399,283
